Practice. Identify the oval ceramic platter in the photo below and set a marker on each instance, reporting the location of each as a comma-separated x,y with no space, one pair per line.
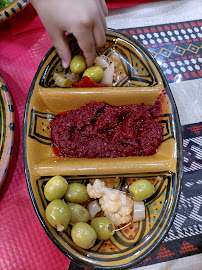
6,129
11,9
138,80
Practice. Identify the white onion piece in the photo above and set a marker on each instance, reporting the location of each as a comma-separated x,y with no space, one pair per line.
108,75
138,211
100,61
73,76
93,208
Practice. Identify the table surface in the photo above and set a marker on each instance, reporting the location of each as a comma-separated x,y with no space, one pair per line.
172,32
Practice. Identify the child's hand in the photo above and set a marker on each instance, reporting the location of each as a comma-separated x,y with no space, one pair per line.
84,18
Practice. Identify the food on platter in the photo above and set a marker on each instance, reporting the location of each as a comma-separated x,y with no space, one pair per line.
78,213
61,80
76,193
100,130
55,188
83,235
141,189
100,74
104,227
115,204
58,214
94,211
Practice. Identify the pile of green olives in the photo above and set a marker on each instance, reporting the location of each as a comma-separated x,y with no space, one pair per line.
78,66
65,208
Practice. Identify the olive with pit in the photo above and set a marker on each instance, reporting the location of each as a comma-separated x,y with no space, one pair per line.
55,188
78,213
58,214
78,64
104,227
76,193
95,73
141,189
83,235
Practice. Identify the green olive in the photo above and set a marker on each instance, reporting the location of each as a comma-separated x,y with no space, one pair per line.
83,235
103,226
58,214
76,193
55,188
95,73
78,64
141,189
78,213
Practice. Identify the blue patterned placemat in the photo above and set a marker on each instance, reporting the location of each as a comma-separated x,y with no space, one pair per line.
185,236
178,49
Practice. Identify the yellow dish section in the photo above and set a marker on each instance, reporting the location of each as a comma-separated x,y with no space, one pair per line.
47,102
130,241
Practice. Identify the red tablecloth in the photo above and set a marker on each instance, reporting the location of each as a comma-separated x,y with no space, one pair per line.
125,3
23,242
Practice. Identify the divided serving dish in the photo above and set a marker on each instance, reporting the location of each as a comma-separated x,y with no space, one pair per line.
139,79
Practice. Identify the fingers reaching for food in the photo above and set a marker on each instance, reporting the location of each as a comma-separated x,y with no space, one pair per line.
85,19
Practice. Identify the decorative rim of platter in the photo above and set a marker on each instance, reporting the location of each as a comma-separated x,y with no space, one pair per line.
13,8
7,127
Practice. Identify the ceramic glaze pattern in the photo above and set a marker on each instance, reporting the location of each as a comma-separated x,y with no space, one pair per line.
126,235
6,129
39,128
130,68
138,80
10,10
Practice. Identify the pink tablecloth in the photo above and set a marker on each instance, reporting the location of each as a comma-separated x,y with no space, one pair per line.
125,3
23,243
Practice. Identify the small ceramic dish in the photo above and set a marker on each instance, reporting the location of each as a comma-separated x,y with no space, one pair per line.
6,129
138,80
9,10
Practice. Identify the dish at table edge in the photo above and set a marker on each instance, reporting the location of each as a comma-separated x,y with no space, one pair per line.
140,80
6,129
11,9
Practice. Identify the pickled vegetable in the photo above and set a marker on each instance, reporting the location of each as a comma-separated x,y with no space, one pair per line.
61,80
78,64
58,214
108,75
95,73
55,188
83,235
78,213
87,82
93,208
138,211
101,61
76,193
141,189
104,227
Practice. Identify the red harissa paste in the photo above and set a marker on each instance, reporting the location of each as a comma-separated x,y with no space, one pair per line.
99,130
